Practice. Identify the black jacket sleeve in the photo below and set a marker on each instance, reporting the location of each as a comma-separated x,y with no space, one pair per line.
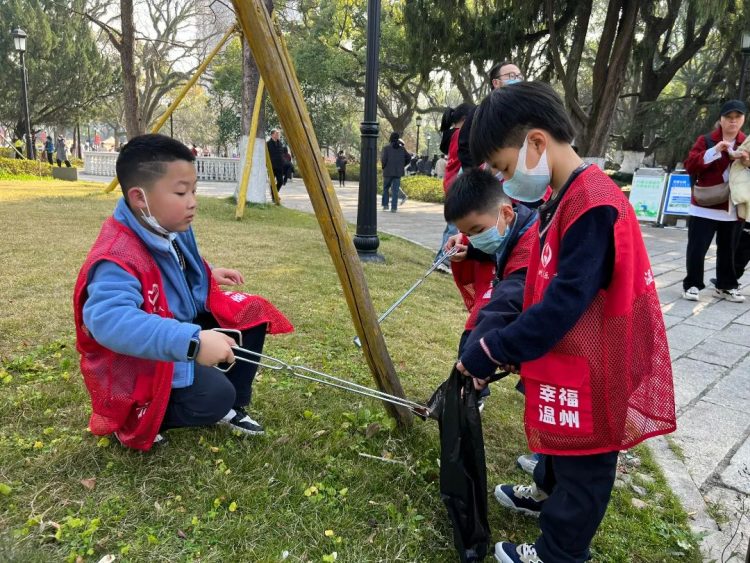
586,264
464,139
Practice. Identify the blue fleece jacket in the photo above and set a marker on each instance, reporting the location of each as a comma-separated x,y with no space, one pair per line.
113,311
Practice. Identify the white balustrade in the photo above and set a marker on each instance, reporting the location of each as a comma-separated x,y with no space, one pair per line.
208,168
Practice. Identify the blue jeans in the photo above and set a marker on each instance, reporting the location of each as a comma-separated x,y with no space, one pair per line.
394,183
450,230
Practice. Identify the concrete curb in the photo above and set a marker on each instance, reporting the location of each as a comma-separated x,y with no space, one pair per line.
712,540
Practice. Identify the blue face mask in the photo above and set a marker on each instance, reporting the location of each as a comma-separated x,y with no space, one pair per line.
513,81
528,185
490,241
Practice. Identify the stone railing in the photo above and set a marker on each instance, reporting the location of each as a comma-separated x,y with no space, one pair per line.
208,168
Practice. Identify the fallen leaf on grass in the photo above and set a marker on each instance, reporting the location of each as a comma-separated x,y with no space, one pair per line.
372,429
182,535
109,558
89,483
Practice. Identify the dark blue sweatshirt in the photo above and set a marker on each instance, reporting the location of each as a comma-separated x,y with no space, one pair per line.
585,267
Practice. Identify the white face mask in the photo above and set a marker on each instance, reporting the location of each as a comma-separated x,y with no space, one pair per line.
151,221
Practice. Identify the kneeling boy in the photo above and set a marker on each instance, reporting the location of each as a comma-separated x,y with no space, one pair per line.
590,342
144,300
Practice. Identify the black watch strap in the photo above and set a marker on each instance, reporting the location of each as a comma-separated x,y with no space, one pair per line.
193,348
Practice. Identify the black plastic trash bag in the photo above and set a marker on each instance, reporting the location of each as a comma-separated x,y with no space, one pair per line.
463,473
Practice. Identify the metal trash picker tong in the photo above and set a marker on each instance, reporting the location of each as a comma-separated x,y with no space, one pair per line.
269,362
400,300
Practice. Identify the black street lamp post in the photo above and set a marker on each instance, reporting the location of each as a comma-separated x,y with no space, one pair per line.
419,125
366,239
19,39
745,50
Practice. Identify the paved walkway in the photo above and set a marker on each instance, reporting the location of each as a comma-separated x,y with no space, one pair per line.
707,461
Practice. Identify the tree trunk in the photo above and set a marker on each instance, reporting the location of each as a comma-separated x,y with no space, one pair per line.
609,75
258,181
133,125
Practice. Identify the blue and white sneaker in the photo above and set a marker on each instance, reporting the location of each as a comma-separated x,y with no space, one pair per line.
521,498
507,552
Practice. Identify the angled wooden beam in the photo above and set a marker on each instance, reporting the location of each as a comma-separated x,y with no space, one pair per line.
278,73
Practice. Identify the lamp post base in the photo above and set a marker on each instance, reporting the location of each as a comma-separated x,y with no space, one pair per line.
367,248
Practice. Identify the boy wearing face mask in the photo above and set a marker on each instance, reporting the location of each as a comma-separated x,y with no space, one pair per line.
590,342
144,301
494,231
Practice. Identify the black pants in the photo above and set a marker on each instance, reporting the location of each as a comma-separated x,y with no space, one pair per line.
59,163
213,393
49,158
579,488
742,253
342,176
278,173
700,234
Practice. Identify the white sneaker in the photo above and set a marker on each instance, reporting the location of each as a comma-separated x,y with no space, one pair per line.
732,295
527,463
691,294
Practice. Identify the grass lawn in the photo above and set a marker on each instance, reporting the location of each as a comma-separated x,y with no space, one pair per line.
301,491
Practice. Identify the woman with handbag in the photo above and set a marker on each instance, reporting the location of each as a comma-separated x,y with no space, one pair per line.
711,210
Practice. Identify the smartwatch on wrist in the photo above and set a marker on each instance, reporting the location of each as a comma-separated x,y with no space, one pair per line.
193,348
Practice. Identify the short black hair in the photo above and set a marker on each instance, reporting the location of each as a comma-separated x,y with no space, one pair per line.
505,116
475,191
495,70
142,159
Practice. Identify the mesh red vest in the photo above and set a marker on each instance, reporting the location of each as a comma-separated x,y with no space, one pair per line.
474,278
129,395
607,385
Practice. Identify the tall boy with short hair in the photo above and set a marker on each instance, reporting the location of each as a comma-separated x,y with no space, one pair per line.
144,303
590,343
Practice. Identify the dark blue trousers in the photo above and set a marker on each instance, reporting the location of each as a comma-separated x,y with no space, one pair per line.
213,392
579,488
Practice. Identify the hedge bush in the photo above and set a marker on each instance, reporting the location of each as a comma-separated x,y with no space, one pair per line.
352,172
13,167
423,188
22,168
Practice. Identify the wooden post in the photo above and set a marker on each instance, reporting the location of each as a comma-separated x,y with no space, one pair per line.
283,88
183,92
249,153
272,179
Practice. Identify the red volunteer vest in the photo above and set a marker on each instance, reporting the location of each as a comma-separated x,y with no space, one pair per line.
607,385
129,395
474,278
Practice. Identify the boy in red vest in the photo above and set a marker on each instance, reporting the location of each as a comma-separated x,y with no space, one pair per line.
495,241
145,302
590,342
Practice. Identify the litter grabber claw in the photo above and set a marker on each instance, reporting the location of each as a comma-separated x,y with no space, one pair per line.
400,300
269,362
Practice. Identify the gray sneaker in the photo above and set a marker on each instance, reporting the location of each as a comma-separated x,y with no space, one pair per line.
732,295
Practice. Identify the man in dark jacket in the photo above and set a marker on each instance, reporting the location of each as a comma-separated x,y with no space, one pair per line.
393,159
501,74
276,153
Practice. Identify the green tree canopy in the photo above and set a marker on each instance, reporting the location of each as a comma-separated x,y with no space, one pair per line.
68,74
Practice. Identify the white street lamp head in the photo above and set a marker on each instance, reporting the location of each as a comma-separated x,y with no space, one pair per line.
746,42
19,38
419,120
